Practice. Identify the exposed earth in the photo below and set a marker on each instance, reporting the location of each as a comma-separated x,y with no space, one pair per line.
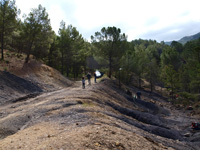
41,109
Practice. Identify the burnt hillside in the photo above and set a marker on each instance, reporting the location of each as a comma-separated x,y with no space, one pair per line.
102,116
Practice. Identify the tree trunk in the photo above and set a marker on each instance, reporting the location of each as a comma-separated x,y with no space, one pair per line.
151,80
151,86
2,45
74,75
172,93
139,82
27,57
172,85
29,52
2,35
110,61
67,70
74,70
50,63
62,63
127,72
110,66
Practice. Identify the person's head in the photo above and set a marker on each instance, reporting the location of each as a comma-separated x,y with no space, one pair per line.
82,77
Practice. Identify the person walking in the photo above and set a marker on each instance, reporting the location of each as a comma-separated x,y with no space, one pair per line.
89,77
83,82
138,94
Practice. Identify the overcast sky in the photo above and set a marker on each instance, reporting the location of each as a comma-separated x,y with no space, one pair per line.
161,20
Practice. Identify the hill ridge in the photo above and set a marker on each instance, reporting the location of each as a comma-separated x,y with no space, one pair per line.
189,38
185,39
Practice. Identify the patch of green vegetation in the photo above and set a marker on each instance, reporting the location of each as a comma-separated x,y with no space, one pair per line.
88,104
189,96
8,54
187,99
13,54
19,55
7,62
5,69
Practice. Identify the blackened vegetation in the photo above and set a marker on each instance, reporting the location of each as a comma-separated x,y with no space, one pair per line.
9,127
104,103
32,95
148,122
155,118
72,103
15,88
17,83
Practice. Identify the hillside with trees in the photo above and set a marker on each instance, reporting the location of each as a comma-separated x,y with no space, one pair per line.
186,39
189,38
33,57
175,67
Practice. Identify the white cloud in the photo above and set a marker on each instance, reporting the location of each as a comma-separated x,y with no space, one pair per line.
136,18
26,5
57,15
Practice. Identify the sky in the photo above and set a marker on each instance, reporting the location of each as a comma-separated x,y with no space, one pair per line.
160,20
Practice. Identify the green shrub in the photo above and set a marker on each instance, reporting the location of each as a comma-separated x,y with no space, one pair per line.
189,96
19,56
7,62
186,98
8,54
5,69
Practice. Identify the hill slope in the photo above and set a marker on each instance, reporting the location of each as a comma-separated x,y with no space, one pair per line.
21,80
186,39
98,117
62,115
189,38
13,87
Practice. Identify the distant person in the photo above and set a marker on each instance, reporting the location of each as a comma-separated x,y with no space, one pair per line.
95,77
83,82
134,97
138,94
176,96
89,77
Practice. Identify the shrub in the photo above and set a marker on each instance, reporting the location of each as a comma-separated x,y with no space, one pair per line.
8,54
186,98
189,96
7,62
5,69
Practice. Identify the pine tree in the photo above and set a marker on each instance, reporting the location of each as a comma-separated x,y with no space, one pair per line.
8,14
37,33
110,44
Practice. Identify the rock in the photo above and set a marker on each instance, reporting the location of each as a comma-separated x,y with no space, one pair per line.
118,144
97,144
187,134
97,123
189,108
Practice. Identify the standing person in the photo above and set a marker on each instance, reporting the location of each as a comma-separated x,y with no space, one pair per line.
89,77
83,82
95,77
138,94
134,97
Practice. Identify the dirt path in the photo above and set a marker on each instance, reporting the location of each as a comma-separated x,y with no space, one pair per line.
101,116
